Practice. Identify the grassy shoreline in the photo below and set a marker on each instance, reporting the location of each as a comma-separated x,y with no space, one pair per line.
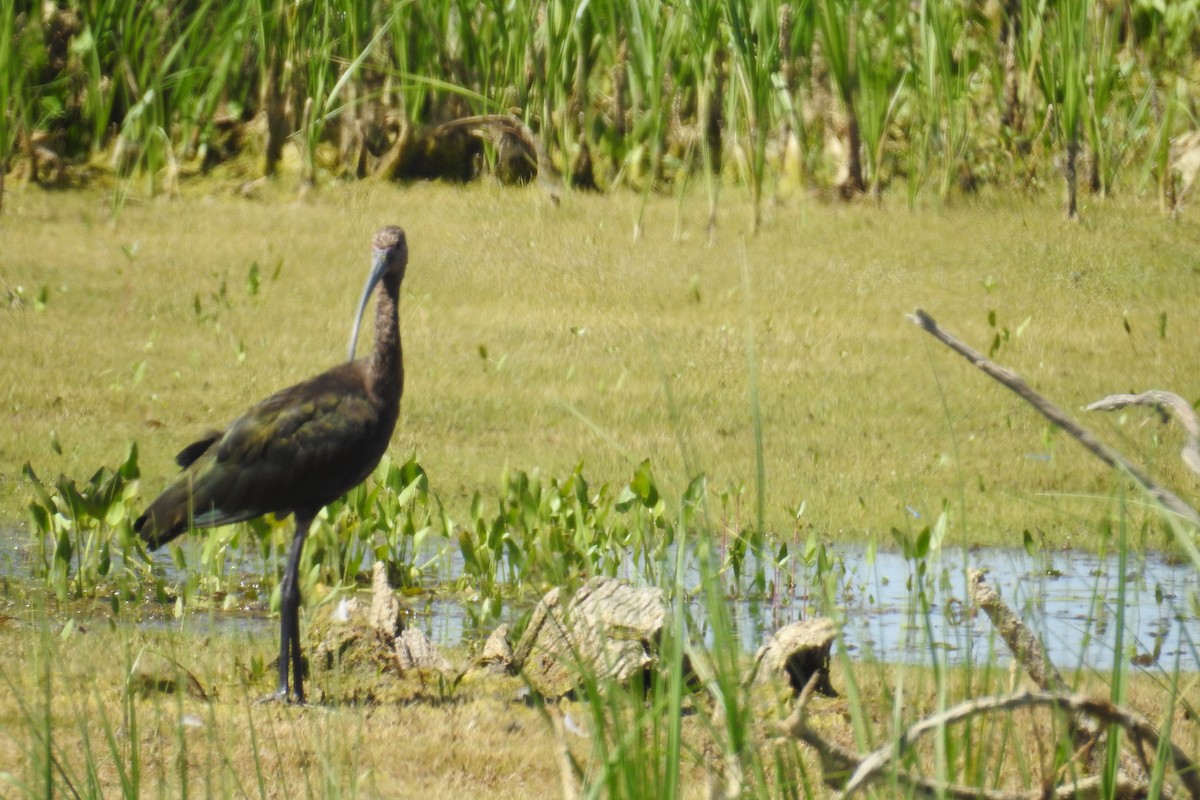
107,734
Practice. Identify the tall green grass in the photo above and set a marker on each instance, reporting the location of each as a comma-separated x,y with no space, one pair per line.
10,91
632,92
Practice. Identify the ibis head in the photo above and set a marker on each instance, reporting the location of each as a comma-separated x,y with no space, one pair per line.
389,257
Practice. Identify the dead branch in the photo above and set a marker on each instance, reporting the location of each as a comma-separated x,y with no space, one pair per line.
836,759
1163,402
1088,718
1025,646
497,126
1166,498
1140,731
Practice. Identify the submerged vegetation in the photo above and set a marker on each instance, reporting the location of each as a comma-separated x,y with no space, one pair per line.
929,96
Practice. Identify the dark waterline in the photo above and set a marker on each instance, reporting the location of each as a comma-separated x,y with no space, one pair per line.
1070,599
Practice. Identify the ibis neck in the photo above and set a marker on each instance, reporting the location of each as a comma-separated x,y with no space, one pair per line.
386,360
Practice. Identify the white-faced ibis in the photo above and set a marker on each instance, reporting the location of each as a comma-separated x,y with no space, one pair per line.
298,450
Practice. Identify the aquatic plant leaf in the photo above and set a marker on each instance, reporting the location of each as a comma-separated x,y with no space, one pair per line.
64,549
43,496
467,547
938,533
41,517
643,485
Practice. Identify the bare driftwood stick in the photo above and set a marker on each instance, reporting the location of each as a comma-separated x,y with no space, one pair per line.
1166,498
1140,731
1024,644
838,759
1163,402
1027,648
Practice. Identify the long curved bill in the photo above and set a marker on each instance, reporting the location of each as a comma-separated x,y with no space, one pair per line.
378,269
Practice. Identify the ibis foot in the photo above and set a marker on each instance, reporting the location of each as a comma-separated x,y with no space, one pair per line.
282,695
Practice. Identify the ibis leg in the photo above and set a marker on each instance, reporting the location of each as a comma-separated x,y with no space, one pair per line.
289,616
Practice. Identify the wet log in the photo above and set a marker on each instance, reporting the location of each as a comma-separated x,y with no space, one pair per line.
606,631
363,648
795,653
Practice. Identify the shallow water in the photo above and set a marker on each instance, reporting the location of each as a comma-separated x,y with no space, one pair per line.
1071,599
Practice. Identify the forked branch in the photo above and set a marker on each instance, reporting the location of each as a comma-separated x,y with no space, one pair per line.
874,766
1141,732
1163,402
1165,497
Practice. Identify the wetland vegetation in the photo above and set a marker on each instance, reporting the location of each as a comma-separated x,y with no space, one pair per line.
609,383
568,386
931,99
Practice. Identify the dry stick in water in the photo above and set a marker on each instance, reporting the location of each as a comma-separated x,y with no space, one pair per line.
1027,648
1163,401
1166,498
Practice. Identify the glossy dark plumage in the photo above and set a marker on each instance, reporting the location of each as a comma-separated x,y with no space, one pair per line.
303,446
300,448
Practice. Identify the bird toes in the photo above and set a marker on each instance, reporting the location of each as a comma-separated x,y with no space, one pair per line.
284,696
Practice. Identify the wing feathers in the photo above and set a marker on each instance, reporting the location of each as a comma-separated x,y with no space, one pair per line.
300,448
196,449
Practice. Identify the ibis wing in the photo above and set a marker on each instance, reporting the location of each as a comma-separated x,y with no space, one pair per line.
300,448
